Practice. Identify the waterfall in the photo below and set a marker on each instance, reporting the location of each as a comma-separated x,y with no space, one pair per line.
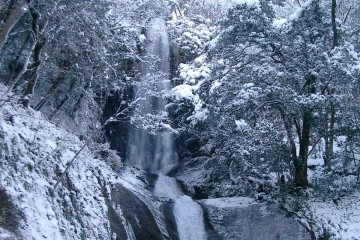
188,213
153,153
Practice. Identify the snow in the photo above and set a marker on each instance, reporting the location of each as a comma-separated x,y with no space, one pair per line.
214,85
342,219
278,23
296,14
191,74
67,155
183,91
229,202
142,38
36,153
188,92
201,59
51,144
315,162
4,234
241,124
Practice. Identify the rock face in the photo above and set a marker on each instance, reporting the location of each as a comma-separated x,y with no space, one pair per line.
242,218
139,221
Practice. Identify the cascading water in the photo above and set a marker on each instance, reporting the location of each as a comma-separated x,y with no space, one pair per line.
153,153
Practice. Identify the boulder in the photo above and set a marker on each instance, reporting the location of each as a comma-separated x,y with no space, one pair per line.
240,218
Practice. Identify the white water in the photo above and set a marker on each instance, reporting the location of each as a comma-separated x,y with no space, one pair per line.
189,219
148,152
167,187
156,154
188,213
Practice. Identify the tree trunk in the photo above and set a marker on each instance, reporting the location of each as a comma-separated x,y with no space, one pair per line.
334,25
23,70
329,139
12,19
301,162
300,173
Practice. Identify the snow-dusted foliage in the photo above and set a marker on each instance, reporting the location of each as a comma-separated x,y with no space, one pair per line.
283,79
192,76
264,99
190,35
189,40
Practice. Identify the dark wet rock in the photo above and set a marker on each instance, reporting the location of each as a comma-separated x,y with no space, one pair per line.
170,221
193,145
136,213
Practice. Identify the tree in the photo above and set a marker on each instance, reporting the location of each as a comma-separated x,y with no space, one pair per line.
266,71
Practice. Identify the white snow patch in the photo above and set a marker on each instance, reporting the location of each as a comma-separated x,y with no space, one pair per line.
183,91
241,124
51,144
37,151
142,38
315,161
214,85
278,23
342,219
67,155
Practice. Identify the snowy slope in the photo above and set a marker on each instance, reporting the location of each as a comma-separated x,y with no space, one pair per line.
340,219
33,154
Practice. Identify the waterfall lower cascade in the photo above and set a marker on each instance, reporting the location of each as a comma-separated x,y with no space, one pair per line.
188,213
155,154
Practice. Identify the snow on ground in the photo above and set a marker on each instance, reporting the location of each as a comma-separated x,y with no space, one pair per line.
340,219
33,154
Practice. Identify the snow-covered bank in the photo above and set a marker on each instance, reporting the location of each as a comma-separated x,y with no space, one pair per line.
91,201
339,219
34,153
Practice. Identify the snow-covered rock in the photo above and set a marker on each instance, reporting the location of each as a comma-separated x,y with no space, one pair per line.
243,218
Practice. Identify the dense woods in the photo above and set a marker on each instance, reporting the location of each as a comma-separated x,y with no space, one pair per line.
280,89
265,94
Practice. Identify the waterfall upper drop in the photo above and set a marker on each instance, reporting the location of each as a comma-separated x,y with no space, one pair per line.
153,153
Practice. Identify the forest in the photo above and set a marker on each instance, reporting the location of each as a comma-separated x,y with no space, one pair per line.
108,106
